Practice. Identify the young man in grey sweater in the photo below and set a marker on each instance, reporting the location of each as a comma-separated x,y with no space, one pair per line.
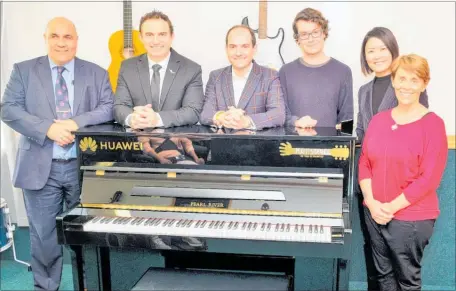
318,89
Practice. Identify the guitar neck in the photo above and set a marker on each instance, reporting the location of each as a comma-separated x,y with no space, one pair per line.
127,24
263,20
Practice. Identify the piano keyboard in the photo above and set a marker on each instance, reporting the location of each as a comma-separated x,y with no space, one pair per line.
239,228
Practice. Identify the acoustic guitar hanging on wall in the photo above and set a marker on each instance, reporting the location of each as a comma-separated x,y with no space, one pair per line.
123,44
269,49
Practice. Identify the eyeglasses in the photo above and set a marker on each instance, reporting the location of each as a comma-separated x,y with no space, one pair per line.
305,36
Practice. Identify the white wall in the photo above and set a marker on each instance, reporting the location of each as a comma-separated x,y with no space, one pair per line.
425,28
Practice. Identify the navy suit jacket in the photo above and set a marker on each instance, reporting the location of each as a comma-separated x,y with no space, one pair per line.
28,107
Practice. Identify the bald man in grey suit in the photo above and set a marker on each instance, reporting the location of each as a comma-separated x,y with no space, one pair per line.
160,88
46,99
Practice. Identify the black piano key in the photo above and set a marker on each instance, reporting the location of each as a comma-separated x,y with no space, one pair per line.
134,220
115,220
269,226
282,228
244,225
230,224
277,227
296,228
198,223
222,224
321,229
302,227
108,220
216,224
236,225
315,228
179,222
148,220
152,221
127,221
97,218
288,227
262,226
140,221
249,226
203,224
158,221
119,220
165,222
171,223
211,224
189,223
255,225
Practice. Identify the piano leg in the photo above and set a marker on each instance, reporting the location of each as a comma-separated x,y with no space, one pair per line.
97,268
77,267
342,275
104,268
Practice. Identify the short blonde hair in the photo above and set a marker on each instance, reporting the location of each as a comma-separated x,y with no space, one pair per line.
412,63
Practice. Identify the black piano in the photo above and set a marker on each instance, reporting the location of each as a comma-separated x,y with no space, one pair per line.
210,199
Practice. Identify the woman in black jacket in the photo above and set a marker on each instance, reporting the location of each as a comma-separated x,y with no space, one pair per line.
378,51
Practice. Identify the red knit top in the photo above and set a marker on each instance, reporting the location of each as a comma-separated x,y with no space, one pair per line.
407,159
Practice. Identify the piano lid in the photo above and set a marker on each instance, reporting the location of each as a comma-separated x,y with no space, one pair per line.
318,133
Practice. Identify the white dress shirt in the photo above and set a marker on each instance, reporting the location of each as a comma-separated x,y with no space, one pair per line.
164,66
239,84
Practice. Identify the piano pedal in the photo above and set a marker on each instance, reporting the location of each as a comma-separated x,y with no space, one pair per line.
193,242
160,244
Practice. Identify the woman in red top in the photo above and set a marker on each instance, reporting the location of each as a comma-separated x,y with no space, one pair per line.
403,157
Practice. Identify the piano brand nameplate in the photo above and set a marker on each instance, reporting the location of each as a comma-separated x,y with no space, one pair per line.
210,203
339,152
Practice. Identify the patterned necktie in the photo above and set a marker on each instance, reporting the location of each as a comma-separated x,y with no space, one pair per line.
62,102
155,86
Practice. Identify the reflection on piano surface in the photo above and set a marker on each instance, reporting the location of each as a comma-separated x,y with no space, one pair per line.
188,188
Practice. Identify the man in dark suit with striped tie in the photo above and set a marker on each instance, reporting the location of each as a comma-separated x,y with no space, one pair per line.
244,95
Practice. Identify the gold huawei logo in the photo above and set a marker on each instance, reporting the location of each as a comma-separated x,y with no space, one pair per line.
88,144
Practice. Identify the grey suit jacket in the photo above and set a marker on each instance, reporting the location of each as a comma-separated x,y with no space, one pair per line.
365,112
28,107
261,99
181,96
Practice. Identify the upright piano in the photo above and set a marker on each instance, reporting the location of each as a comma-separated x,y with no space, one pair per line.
214,199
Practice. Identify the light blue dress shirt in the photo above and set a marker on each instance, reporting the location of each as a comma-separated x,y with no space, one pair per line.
68,74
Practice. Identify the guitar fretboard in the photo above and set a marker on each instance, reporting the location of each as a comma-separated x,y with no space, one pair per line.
127,24
263,20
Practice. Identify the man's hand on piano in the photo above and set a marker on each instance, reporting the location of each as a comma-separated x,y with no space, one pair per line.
235,118
143,117
60,134
379,211
308,131
306,122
